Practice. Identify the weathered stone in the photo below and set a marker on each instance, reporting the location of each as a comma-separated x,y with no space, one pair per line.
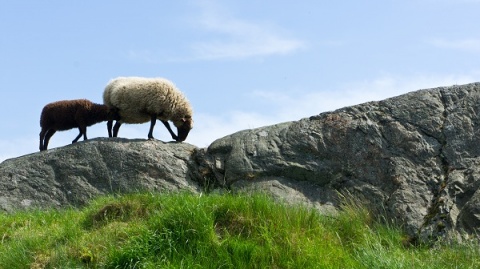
73,174
413,157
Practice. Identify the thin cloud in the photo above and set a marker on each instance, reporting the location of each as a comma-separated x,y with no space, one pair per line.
471,44
294,106
224,37
236,38
282,107
249,47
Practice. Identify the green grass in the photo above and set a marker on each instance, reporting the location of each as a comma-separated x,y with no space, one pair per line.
213,231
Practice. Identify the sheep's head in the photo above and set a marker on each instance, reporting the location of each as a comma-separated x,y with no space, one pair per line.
184,125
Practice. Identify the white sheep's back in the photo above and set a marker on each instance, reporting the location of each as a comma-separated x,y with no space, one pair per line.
138,98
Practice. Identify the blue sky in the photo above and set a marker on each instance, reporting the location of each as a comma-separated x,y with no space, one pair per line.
242,64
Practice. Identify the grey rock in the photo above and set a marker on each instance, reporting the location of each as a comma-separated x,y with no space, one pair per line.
413,159
74,174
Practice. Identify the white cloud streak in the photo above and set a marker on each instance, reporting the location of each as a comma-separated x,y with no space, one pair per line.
224,37
290,107
469,45
237,39
386,86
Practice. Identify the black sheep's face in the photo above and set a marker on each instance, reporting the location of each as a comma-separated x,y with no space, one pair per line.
183,128
113,114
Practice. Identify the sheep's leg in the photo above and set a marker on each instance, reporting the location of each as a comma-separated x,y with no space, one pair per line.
116,128
153,120
48,135
109,127
174,136
76,138
83,131
42,138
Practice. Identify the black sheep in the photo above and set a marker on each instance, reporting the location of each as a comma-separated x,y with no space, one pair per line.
68,114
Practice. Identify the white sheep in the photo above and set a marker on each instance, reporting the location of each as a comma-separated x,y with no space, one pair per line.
139,100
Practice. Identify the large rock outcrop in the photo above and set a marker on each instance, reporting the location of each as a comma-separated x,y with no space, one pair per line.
413,158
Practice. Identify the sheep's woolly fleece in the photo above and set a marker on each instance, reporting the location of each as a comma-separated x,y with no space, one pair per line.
139,98
68,114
